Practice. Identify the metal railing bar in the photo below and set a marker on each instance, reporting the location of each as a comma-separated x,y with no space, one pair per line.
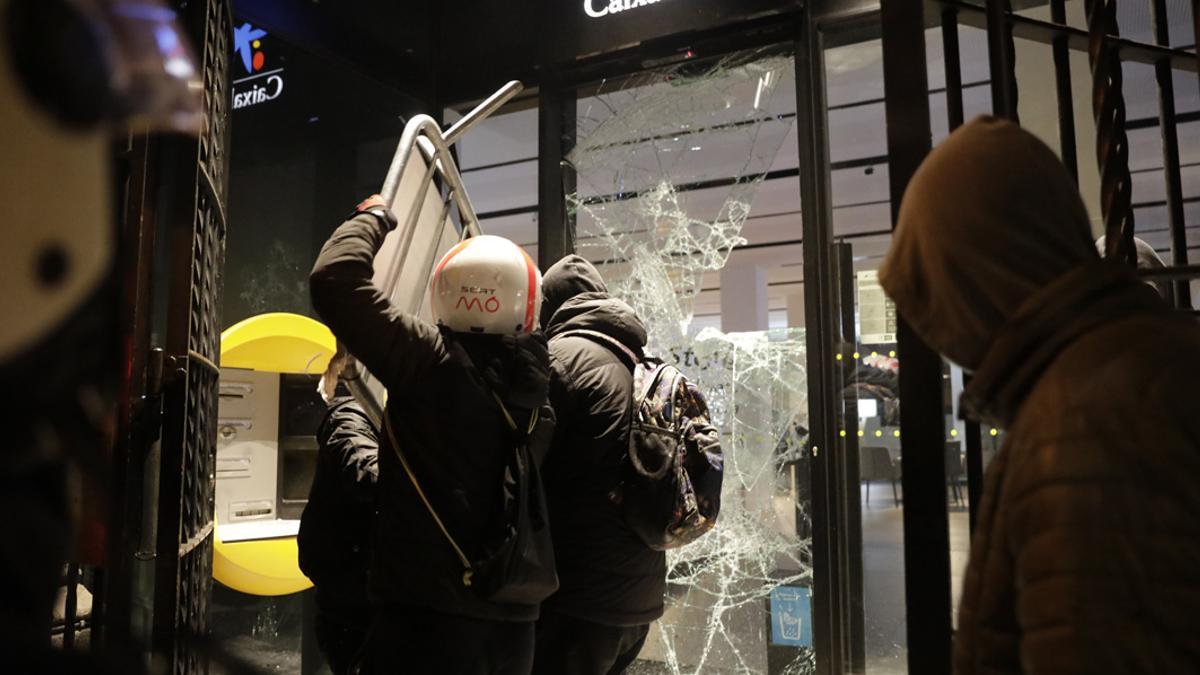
1172,273
71,607
952,60
927,577
1066,99
1170,149
1112,143
196,539
1002,59
954,104
203,361
1038,30
490,105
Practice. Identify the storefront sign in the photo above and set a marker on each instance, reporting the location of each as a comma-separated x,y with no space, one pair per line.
601,8
258,85
587,28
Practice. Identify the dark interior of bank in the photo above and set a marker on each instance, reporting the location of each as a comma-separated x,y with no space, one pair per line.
756,180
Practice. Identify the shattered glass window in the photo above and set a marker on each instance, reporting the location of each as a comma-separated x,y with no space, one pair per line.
667,168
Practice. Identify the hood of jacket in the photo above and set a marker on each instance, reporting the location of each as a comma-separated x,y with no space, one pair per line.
1083,300
990,219
575,297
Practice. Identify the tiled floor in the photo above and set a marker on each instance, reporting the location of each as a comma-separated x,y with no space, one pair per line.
883,576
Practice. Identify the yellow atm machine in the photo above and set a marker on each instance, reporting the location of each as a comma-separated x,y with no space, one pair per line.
266,448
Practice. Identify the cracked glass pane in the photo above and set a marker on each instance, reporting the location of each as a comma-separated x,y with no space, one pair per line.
667,167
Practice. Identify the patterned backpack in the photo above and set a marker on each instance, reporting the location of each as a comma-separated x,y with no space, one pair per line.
670,490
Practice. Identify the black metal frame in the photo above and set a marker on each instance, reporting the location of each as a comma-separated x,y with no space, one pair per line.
822,327
194,173
923,474
836,530
556,138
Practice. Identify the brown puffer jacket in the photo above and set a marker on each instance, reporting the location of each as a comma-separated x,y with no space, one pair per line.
1086,557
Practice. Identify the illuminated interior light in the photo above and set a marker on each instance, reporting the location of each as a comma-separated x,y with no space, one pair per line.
879,433
994,432
896,433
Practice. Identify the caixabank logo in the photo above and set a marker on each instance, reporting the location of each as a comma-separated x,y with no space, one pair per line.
257,85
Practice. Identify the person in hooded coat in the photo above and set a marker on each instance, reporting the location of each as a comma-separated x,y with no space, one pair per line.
440,405
611,584
1086,555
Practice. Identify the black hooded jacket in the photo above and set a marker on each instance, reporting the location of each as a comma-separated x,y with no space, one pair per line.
445,419
335,529
606,574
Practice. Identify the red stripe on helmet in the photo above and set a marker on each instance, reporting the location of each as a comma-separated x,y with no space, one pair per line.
446,260
531,296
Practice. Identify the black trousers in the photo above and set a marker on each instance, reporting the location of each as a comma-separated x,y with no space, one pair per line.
414,641
570,646
340,641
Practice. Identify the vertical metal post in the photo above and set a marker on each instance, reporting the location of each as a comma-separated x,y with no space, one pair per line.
1002,59
851,543
819,300
556,138
135,189
1112,145
926,524
1170,150
70,606
1066,97
953,61
954,104
974,438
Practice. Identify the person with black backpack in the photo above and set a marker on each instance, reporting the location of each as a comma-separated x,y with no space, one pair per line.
335,528
611,563
462,556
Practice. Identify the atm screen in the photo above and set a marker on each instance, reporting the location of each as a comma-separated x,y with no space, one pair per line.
301,411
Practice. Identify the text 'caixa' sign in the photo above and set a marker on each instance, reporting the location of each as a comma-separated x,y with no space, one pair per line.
601,8
259,84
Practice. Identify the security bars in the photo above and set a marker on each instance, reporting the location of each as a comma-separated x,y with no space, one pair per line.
907,105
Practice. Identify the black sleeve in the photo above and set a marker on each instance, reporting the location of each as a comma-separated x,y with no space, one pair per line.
352,448
561,401
396,347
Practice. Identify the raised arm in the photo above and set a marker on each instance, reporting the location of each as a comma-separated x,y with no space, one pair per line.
396,347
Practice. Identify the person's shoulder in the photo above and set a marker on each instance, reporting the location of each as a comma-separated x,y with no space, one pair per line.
1119,385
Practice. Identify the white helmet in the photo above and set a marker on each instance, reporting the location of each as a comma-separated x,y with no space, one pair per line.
486,284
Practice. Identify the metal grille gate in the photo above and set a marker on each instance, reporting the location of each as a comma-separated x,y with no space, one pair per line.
904,22
183,582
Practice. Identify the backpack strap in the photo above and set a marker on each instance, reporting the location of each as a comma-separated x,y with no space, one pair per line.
609,341
468,570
